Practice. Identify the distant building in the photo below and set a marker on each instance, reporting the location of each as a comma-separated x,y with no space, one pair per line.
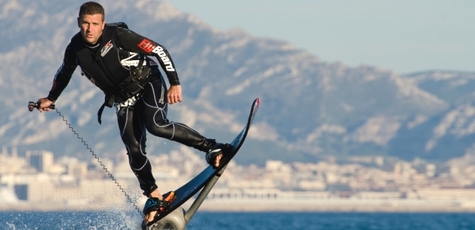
40,160
21,191
77,169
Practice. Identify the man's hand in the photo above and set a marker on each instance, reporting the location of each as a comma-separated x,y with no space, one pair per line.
174,94
44,104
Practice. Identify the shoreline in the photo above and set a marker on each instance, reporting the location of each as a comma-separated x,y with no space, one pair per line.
266,205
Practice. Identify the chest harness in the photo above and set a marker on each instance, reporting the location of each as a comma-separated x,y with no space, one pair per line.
102,65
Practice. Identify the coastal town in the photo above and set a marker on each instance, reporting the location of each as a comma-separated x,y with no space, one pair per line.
35,180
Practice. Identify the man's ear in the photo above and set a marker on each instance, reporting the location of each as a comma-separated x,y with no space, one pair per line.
79,22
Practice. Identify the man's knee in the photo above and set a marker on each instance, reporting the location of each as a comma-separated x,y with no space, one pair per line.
137,160
162,128
135,151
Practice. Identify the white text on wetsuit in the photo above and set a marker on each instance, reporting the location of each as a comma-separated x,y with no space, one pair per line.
168,64
148,46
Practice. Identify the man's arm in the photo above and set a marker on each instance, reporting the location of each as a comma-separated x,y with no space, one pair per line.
134,42
60,81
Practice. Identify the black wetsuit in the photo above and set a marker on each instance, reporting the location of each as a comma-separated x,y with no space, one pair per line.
140,99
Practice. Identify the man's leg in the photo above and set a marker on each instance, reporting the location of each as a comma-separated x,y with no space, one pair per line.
133,134
155,118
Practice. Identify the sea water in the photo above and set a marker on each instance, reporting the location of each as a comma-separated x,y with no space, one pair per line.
245,220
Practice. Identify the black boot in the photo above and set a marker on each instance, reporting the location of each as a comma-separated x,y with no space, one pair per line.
206,145
215,151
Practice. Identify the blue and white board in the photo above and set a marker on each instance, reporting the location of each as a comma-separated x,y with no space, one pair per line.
189,189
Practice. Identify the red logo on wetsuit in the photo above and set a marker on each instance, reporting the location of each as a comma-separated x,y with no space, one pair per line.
106,48
146,45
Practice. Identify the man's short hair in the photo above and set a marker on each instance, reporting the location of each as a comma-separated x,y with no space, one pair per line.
91,8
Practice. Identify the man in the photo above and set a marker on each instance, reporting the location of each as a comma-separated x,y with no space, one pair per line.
115,60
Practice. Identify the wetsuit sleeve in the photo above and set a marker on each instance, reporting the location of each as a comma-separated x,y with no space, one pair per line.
63,75
133,42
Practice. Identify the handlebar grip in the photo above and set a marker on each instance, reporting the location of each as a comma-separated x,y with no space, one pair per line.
32,105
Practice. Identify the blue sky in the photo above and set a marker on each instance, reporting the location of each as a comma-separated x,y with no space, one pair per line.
403,36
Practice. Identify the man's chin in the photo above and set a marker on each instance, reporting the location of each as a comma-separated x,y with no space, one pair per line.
90,41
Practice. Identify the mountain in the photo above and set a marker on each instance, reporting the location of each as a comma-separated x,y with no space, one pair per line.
450,133
311,109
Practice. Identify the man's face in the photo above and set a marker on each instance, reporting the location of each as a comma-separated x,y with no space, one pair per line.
91,27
